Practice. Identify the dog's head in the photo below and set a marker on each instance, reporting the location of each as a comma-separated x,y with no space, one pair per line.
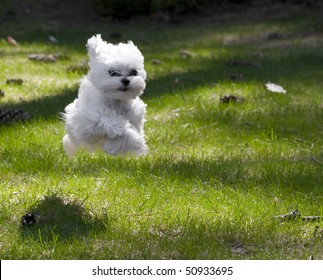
117,70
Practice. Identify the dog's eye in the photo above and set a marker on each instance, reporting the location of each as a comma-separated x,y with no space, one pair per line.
133,73
114,73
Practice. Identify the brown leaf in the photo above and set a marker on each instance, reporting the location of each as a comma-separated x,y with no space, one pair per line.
186,54
12,41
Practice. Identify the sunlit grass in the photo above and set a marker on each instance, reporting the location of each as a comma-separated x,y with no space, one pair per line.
216,174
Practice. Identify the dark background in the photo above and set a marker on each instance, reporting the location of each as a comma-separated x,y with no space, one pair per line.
85,11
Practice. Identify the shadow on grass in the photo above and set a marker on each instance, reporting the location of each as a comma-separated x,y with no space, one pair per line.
242,170
207,72
48,107
61,220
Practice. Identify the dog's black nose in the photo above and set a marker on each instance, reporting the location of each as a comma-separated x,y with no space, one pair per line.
125,81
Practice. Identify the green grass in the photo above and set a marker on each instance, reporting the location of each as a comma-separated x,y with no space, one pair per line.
216,173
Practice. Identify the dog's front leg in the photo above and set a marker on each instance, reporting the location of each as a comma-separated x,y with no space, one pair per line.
110,126
131,142
134,142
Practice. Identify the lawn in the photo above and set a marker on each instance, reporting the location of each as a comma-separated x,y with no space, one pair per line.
219,168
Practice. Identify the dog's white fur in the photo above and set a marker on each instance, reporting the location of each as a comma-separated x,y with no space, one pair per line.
108,113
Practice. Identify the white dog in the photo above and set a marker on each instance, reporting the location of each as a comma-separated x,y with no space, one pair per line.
108,113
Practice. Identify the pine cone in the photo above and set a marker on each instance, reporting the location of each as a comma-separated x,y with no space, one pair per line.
231,99
14,81
29,219
11,116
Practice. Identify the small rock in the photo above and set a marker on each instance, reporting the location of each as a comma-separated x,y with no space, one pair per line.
52,39
186,54
156,62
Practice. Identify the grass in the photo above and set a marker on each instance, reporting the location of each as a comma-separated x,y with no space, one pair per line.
216,173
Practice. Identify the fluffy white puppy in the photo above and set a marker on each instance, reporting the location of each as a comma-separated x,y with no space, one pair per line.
108,113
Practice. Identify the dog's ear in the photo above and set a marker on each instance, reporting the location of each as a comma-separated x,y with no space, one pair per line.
93,45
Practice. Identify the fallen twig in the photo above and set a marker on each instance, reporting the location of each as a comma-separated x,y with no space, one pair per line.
205,127
44,57
293,215
290,216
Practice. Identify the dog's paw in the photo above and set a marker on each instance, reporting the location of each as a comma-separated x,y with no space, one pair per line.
105,129
135,142
111,125
114,146
131,143
141,150
69,148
